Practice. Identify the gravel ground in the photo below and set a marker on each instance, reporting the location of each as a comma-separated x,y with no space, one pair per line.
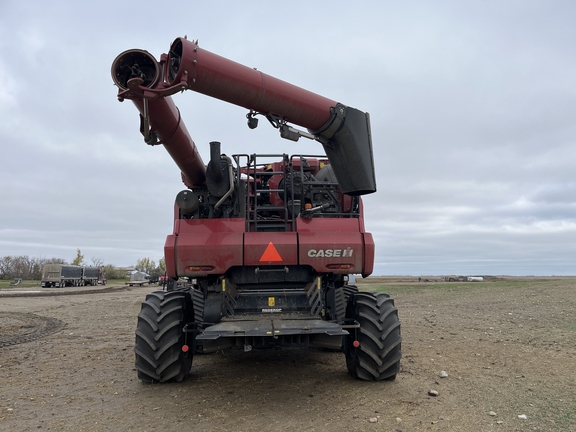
477,357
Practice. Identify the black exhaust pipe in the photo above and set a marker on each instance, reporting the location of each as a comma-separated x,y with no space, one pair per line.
215,165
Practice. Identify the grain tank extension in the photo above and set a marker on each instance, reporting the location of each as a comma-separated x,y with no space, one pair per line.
263,245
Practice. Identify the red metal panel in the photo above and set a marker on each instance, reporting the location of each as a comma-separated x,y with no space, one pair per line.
258,252
369,252
169,256
208,246
222,225
327,224
331,245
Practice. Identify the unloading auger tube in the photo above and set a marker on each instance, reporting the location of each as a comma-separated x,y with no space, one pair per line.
343,131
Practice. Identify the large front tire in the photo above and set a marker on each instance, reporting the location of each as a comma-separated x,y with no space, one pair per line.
159,337
377,354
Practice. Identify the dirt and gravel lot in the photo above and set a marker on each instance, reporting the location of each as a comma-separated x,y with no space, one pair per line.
508,348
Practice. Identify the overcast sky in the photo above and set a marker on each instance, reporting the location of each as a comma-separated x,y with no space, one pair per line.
472,104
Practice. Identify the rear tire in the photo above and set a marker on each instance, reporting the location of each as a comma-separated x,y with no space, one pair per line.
349,290
159,337
378,355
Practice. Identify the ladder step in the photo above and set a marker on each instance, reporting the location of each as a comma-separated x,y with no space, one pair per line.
269,190
264,208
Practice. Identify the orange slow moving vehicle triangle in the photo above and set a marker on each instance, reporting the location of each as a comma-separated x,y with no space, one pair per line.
270,254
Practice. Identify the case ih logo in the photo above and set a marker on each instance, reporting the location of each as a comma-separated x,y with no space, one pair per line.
331,253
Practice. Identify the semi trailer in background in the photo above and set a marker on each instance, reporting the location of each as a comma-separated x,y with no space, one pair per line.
62,275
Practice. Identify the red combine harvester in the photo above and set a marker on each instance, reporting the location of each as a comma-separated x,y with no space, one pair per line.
264,244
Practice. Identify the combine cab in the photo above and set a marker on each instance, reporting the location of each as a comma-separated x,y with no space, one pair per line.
264,244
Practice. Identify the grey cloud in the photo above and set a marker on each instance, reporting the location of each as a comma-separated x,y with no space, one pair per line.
471,105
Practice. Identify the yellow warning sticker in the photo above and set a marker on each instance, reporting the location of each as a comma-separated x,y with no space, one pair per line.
271,301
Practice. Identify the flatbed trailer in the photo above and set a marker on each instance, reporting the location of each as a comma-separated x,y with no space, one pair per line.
139,283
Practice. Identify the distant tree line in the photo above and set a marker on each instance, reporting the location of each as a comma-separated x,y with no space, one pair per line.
111,272
148,266
29,268
25,267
